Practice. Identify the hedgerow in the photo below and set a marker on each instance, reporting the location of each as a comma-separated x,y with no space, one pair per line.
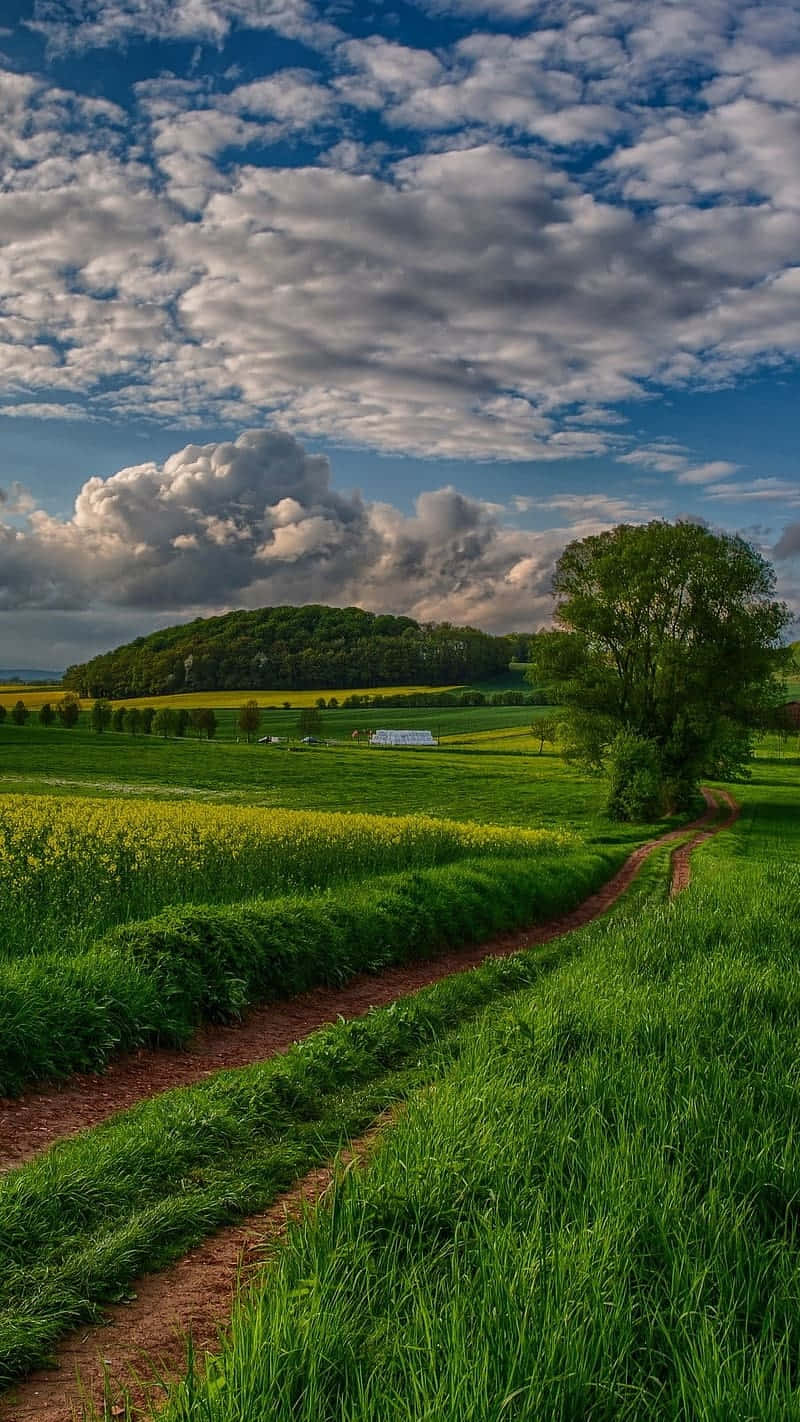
155,981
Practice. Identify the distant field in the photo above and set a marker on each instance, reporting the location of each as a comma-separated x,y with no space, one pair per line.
340,724
489,786
35,694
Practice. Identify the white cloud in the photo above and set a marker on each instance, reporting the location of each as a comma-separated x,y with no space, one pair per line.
100,24
256,521
451,303
16,500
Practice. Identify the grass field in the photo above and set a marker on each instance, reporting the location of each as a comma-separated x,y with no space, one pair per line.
565,1267
629,1248
534,791
98,832
78,1224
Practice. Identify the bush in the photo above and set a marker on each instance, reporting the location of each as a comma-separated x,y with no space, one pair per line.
637,787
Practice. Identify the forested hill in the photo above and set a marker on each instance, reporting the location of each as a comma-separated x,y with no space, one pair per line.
295,648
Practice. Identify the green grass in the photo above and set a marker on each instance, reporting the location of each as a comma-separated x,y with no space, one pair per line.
155,981
594,1212
82,1220
490,788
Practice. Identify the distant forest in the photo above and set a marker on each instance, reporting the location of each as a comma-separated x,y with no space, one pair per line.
296,649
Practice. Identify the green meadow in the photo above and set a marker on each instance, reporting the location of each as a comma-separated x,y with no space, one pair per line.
592,1212
585,1207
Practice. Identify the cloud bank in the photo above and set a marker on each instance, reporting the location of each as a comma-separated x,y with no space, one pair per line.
257,521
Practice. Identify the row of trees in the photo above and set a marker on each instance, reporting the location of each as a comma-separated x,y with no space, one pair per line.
278,648
66,711
164,721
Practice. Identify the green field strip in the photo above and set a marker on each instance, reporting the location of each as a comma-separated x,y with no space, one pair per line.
155,982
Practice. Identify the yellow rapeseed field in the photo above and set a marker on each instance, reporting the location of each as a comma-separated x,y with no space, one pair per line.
88,863
34,697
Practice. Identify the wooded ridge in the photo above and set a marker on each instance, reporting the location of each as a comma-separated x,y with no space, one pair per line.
296,648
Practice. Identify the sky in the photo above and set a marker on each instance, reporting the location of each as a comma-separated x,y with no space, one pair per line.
384,303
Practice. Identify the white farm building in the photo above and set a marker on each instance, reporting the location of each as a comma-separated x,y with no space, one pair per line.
403,740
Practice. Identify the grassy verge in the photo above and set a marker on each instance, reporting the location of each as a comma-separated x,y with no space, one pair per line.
79,1223
155,981
594,1214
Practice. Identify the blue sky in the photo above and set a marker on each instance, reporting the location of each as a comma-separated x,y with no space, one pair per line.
383,303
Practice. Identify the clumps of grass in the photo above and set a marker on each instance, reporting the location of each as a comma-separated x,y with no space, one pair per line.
593,1214
81,1221
155,981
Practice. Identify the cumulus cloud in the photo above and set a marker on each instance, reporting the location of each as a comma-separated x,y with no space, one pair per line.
257,521
454,287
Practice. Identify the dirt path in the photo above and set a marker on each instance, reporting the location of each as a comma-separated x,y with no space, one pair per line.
30,1123
141,1343
681,876
144,1341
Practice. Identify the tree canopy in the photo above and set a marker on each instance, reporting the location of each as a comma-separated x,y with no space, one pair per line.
295,648
670,634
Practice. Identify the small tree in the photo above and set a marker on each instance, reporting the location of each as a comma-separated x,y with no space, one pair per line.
118,718
147,716
2,713
165,721
204,721
181,721
19,713
544,729
68,710
309,722
250,719
102,712
321,703
133,720
46,714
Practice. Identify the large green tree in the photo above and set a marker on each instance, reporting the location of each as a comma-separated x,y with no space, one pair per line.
666,650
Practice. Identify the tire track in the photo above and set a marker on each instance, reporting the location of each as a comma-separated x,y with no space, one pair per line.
33,1122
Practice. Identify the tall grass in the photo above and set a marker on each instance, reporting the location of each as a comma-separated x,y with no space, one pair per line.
156,980
81,1221
594,1214
71,869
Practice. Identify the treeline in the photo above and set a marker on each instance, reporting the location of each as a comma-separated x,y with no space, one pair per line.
381,701
164,721
295,649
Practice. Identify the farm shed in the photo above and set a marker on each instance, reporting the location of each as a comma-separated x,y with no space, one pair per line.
403,740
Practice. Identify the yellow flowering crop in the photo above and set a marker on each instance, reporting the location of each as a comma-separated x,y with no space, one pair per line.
80,865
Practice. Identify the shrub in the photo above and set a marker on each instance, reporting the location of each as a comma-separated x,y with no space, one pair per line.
637,788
